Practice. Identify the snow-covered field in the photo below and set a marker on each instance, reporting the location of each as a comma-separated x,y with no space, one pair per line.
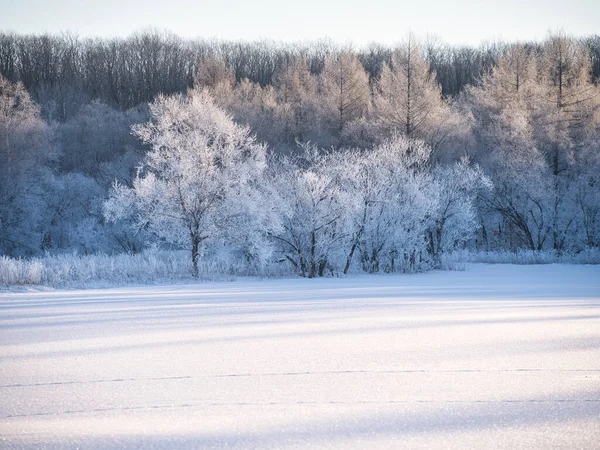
496,356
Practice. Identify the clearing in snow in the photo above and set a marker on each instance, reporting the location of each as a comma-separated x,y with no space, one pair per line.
495,356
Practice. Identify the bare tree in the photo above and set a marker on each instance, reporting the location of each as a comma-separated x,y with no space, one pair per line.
345,88
408,99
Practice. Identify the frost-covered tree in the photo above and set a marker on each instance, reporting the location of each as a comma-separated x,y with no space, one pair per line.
587,202
255,106
313,210
503,107
536,120
198,183
98,134
345,90
388,193
22,130
566,118
70,210
454,219
26,147
298,103
212,72
409,100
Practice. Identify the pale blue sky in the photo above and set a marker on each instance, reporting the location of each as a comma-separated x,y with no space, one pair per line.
360,22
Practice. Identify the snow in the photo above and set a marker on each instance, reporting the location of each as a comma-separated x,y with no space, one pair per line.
496,356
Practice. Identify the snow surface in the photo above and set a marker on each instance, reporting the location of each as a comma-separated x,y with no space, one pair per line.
497,356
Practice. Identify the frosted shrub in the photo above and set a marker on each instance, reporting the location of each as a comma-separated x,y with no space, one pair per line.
34,272
151,266
452,260
9,270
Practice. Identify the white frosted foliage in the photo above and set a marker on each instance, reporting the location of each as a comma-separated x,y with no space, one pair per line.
198,181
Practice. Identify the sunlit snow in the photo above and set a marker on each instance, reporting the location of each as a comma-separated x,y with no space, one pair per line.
496,356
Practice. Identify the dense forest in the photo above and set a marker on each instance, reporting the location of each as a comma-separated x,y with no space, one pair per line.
324,157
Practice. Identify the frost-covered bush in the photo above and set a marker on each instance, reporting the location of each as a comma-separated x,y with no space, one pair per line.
459,258
74,270
150,266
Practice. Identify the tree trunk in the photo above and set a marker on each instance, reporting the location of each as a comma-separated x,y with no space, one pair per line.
322,267
350,255
356,240
195,251
313,264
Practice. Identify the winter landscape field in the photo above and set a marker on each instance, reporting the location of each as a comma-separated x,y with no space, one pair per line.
499,356
311,224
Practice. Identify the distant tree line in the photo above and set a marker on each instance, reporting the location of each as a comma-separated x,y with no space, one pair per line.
63,72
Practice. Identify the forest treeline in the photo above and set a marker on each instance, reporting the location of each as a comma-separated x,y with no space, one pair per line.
62,72
383,158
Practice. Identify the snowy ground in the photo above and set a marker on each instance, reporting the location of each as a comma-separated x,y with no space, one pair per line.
497,356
